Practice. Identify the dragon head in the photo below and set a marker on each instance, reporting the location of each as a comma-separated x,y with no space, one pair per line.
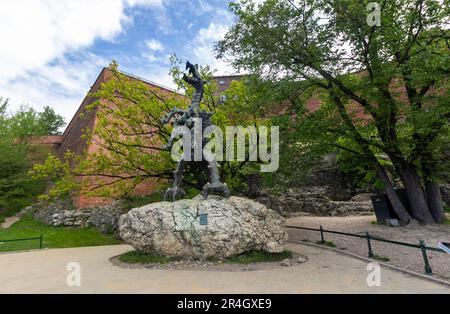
194,74
192,68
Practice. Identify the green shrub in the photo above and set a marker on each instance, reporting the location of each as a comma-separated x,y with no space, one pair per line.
327,243
381,258
136,201
259,257
136,257
251,257
131,202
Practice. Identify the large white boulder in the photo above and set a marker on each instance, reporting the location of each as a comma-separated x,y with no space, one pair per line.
181,229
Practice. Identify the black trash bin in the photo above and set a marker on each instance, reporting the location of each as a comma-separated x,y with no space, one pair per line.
383,208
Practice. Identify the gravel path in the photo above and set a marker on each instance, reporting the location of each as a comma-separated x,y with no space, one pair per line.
408,258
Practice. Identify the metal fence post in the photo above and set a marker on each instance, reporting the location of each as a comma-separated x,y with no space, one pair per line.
321,235
40,242
428,270
369,244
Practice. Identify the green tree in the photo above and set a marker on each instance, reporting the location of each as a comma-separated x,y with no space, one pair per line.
24,125
384,89
27,123
51,122
17,155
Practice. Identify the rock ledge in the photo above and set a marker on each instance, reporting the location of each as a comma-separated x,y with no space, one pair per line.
201,229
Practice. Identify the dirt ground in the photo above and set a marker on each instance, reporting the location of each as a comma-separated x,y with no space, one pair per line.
405,257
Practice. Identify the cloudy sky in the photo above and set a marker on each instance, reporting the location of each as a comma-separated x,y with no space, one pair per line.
52,50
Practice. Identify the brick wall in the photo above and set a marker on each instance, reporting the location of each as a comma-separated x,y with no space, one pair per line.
72,139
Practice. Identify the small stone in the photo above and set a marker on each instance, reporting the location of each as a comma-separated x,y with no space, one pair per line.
301,260
392,222
286,263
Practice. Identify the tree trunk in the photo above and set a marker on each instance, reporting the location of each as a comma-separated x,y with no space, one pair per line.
433,192
397,205
435,202
416,196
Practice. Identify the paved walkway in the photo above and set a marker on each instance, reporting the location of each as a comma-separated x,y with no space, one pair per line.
326,272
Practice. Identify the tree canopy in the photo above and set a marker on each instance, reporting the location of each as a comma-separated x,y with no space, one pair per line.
18,154
131,137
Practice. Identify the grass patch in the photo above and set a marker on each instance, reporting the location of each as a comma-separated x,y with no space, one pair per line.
381,258
136,257
53,237
327,243
251,257
258,257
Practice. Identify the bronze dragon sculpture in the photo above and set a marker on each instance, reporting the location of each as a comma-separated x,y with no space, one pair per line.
186,118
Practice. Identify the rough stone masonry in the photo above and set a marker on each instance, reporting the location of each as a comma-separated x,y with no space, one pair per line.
200,229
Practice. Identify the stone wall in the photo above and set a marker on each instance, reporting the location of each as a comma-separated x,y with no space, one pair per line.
334,183
313,201
445,190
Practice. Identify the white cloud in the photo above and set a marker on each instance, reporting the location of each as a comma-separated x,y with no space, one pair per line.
61,85
203,46
154,45
45,58
38,31
157,74
37,35
213,32
145,2
153,51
